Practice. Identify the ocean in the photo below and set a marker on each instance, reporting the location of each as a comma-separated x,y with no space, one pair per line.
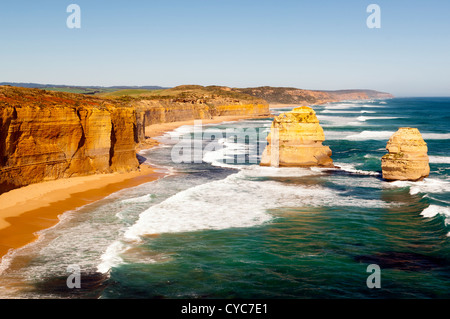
220,226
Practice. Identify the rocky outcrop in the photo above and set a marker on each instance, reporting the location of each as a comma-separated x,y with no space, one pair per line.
46,136
195,103
49,135
296,139
407,158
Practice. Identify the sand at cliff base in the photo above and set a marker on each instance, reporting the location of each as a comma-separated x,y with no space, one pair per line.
26,210
159,129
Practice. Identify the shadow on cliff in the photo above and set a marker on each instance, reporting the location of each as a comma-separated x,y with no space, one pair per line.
141,159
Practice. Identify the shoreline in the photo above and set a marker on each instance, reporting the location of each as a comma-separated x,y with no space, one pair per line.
274,106
155,130
27,210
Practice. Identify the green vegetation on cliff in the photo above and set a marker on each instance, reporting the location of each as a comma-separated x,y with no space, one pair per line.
47,135
183,93
287,95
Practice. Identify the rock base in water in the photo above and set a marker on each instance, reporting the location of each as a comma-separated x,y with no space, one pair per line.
296,140
407,158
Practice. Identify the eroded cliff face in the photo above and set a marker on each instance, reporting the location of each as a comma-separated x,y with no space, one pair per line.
407,158
164,111
295,139
49,135
46,136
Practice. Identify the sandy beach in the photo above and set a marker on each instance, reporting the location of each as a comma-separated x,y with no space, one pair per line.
27,210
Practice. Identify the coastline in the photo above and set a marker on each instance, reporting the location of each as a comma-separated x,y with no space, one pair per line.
155,130
283,105
27,210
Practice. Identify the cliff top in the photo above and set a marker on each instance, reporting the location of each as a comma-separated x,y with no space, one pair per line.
193,94
303,114
20,97
289,95
185,94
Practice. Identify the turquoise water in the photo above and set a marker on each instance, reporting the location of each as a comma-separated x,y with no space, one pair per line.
236,230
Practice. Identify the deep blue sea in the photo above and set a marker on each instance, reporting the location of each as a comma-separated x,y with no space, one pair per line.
221,226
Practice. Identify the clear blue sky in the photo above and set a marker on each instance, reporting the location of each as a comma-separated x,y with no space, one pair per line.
323,44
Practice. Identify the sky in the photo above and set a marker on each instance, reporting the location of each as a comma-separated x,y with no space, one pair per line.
322,44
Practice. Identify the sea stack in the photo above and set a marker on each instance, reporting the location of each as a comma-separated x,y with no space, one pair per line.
407,158
295,139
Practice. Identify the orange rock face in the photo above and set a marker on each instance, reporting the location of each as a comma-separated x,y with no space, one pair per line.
44,137
407,158
296,139
49,135
155,112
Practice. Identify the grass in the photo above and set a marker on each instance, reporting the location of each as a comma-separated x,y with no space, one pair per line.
78,90
188,92
127,92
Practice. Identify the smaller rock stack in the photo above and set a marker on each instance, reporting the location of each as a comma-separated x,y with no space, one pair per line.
295,139
407,158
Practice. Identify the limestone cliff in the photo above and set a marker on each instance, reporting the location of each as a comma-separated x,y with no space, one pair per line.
407,158
49,135
286,95
191,102
45,136
296,139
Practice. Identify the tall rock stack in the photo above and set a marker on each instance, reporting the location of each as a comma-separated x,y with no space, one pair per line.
296,139
407,158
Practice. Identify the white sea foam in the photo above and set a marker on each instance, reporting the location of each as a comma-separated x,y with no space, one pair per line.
368,112
265,171
427,185
385,135
223,153
232,202
351,169
434,210
436,136
6,260
371,105
215,205
439,159
111,257
340,106
370,135
327,111
140,199
344,106
330,120
182,130
327,121
335,135
372,156
365,118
